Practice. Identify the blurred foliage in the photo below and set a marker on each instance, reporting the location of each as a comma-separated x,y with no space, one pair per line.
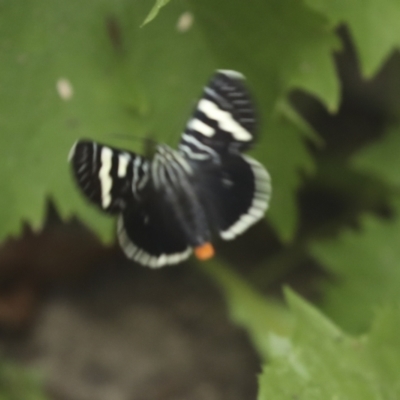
19,384
319,361
105,69
367,264
154,11
381,158
372,23
264,321
124,79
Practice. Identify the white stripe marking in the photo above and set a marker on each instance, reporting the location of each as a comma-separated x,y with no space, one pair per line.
259,204
191,139
163,177
176,156
191,154
105,177
224,120
199,126
94,158
135,175
154,172
72,152
123,161
133,252
162,260
143,180
219,99
231,74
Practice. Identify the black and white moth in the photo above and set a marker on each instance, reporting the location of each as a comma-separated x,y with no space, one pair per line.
173,203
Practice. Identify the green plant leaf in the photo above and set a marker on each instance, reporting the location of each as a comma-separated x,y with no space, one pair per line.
155,10
267,322
366,266
19,383
279,45
373,24
113,68
322,362
283,134
78,69
384,350
381,158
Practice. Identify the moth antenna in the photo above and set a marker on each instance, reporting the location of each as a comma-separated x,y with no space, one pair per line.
149,144
127,136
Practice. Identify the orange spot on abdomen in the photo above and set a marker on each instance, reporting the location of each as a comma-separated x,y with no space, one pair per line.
205,251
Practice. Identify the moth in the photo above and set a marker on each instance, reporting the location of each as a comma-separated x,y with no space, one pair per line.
173,203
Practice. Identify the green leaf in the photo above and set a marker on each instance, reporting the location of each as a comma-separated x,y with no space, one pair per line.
113,68
82,69
366,266
266,321
384,350
285,109
373,24
282,165
381,158
322,362
19,383
155,10
278,44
